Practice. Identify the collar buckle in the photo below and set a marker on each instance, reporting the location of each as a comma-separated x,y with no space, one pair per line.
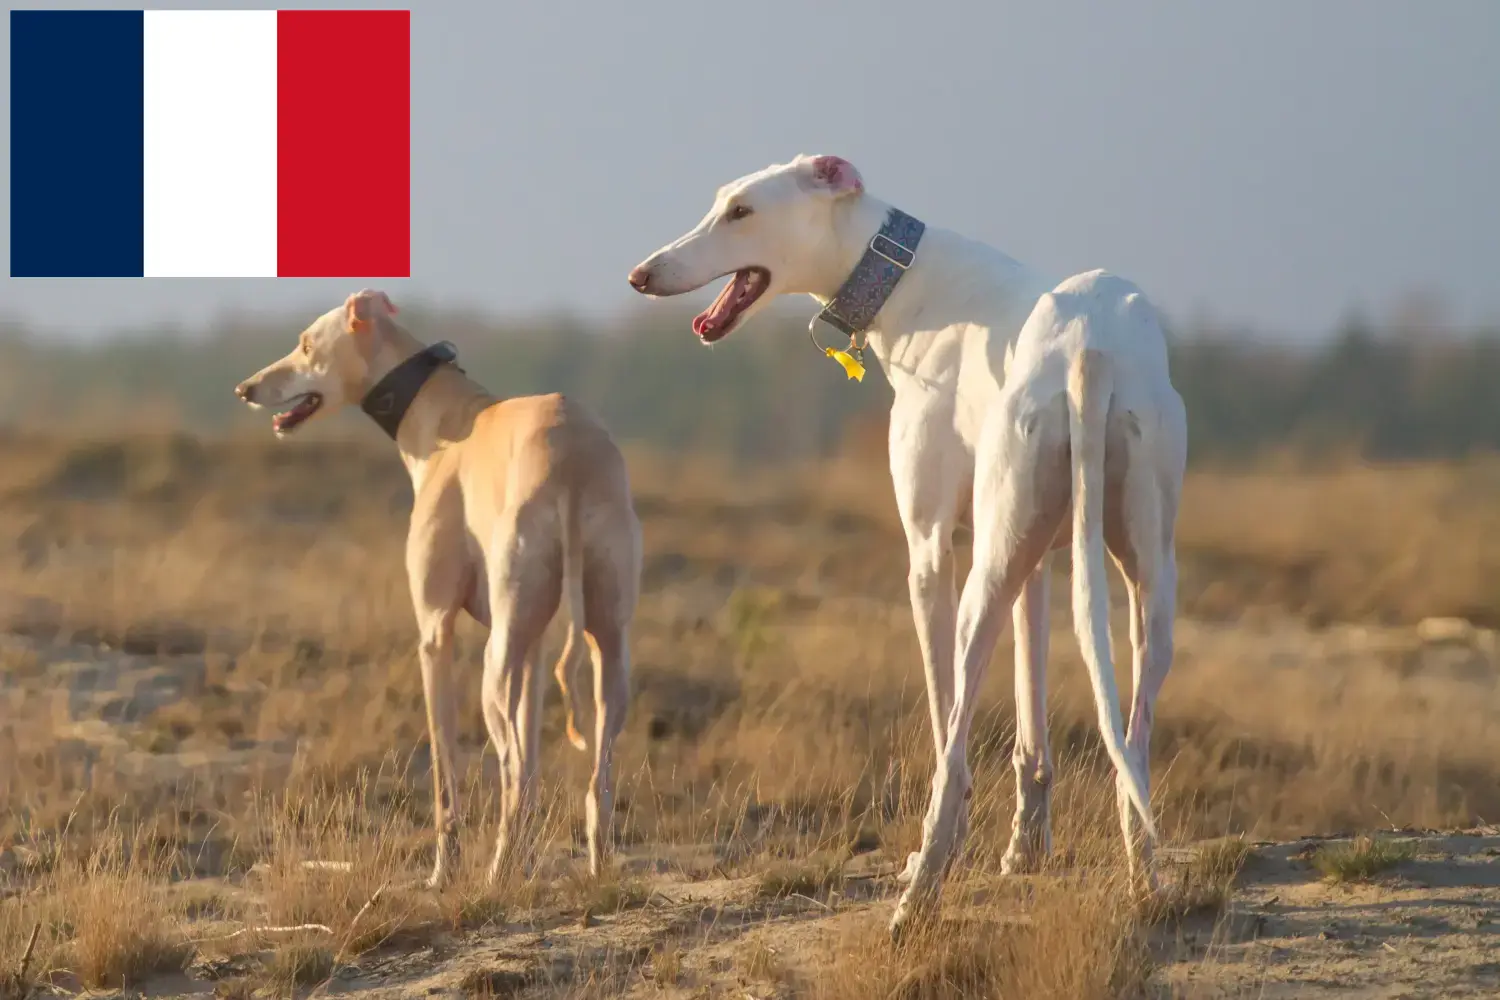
897,253
864,292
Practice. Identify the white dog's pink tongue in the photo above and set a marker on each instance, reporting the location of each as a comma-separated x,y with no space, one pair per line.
715,316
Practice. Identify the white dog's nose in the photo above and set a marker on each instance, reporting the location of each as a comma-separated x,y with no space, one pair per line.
640,278
244,390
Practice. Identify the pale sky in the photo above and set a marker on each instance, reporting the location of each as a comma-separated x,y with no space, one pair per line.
1268,163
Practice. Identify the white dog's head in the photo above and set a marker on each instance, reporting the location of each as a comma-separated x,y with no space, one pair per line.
329,368
771,230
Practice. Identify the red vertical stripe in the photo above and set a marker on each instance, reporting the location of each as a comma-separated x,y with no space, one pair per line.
343,133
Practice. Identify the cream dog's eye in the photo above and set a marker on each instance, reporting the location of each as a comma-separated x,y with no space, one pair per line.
738,212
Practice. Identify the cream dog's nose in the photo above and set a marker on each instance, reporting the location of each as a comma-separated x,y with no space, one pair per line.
640,278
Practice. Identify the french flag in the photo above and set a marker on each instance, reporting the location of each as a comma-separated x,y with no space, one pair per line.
210,143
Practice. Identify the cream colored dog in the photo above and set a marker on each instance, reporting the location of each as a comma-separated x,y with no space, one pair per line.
517,503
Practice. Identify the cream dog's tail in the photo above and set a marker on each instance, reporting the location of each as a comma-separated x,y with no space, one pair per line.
574,649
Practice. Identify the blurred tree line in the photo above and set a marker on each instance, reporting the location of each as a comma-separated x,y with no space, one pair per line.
1404,390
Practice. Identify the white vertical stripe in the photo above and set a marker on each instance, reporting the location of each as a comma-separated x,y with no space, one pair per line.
210,102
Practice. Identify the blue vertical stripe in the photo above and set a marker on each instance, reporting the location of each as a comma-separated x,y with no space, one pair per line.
76,143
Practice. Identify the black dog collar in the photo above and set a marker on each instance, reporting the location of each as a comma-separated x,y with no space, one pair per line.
392,396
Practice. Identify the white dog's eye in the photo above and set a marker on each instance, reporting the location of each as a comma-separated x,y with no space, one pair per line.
738,212
306,346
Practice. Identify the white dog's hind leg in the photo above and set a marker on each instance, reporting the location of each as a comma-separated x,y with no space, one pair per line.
1140,536
1151,612
1031,829
1151,573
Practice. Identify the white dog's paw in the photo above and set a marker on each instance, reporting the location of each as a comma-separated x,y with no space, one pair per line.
1018,861
912,860
913,911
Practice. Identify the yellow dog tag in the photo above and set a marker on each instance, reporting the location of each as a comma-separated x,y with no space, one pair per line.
852,367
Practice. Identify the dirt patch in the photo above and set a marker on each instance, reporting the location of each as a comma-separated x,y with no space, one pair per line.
1427,928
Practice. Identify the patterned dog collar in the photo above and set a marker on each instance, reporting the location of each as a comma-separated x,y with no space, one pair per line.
885,260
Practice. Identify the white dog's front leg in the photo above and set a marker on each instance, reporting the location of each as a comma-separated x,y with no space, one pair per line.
930,582
1016,516
928,467
980,619
932,603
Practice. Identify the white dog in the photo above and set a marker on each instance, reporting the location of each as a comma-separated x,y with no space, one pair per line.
1016,399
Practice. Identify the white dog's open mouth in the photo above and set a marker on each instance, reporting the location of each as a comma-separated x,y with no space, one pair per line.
743,289
299,410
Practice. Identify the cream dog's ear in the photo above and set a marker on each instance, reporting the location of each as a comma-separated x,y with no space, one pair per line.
359,308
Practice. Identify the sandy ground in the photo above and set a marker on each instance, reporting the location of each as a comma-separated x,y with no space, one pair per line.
1425,929
1428,929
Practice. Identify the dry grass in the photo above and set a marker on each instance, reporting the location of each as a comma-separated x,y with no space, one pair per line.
102,917
758,962
235,989
122,929
1205,884
1076,940
361,889
609,893
477,906
299,964
778,724
17,981
813,877
1362,858
489,984
665,967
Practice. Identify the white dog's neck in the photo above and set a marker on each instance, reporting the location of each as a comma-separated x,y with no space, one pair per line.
856,220
949,268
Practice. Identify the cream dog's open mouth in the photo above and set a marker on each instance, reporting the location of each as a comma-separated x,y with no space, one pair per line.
295,411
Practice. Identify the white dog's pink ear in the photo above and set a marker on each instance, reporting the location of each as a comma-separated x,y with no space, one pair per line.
832,174
359,307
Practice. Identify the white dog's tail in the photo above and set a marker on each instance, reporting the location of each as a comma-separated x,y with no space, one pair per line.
1090,387
573,648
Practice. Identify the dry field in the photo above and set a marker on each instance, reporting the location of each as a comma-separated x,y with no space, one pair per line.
213,765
